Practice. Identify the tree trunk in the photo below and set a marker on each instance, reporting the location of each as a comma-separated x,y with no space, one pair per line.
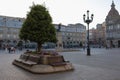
39,47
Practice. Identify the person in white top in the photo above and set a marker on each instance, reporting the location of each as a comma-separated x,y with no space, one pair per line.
13,49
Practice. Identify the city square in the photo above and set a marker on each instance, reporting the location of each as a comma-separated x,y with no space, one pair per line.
103,64
59,40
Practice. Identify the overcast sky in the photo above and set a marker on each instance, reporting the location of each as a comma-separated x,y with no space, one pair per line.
62,11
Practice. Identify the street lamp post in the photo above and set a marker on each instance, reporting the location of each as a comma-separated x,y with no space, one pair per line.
88,21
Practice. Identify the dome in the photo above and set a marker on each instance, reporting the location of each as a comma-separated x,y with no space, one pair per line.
113,13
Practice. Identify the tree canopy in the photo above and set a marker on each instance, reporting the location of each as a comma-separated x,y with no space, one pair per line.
38,26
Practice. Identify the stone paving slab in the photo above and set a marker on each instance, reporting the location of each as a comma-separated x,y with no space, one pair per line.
81,73
93,73
102,65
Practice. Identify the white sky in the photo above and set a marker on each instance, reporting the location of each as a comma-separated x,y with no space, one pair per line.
62,11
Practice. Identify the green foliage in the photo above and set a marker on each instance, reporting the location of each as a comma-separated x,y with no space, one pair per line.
20,43
38,26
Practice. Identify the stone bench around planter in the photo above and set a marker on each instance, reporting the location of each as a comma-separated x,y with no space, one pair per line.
22,58
57,61
32,60
43,63
28,60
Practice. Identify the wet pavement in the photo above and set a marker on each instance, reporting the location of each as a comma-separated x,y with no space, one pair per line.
101,65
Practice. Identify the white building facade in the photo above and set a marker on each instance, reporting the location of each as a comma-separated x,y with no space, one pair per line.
9,29
71,36
113,27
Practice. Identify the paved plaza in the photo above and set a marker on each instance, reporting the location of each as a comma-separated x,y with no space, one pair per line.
101,65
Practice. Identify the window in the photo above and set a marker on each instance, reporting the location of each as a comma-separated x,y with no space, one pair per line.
8,35
111,27
1,29
14,36
63,33
1,35
118,26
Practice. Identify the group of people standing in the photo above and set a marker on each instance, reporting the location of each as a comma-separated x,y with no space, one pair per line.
9,49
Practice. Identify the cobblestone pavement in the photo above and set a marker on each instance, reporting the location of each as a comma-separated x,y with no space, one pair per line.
101,65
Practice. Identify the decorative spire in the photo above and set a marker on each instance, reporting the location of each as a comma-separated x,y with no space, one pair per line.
33,3
113,5
44,4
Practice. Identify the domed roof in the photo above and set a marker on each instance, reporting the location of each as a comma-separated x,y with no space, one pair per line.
113,13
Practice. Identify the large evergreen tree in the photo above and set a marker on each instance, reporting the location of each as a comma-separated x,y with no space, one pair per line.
38,26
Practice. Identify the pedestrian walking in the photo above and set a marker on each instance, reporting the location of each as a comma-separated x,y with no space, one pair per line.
106,47
13,49
9,49
6,48
84,46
